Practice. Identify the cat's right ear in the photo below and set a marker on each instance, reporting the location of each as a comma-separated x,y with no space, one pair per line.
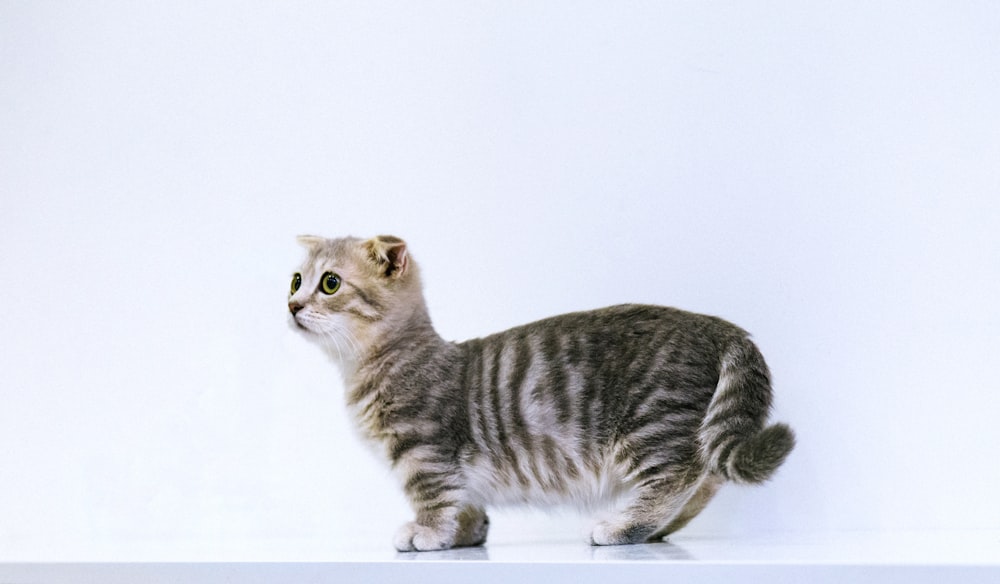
310,241
389,254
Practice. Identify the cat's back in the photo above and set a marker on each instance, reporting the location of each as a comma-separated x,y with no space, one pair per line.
596,346
615,325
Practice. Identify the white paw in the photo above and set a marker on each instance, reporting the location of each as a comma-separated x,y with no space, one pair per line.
420,538
609,533
603,534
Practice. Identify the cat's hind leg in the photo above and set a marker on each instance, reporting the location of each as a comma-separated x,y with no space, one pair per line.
657,499
704,493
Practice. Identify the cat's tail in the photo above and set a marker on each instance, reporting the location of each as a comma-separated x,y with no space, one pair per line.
734,440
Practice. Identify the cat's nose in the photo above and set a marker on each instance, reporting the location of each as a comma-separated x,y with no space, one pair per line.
294,308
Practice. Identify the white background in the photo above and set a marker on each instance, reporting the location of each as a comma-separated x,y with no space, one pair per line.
825,175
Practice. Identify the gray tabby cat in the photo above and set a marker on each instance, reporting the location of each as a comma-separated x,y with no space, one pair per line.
647,408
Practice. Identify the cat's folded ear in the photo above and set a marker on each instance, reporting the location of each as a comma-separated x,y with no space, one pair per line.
389,254
310,241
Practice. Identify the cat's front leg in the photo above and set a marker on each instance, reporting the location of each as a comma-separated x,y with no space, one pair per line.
473,526
415,537
443,518
443,528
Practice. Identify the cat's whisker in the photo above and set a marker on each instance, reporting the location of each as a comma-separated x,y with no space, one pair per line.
343,333
329,334
351,341
336,333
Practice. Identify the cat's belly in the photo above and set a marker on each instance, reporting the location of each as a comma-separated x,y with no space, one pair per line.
531,483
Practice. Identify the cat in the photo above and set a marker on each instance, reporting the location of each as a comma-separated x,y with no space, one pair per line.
647,408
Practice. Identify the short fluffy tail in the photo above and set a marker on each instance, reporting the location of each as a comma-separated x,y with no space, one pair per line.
735,442
755,460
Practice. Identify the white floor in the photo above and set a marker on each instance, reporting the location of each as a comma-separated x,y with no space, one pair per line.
832,557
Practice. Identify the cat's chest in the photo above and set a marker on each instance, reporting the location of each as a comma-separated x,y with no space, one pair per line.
380,417
369,417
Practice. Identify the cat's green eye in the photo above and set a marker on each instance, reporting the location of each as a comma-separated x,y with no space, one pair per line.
330,283
296,282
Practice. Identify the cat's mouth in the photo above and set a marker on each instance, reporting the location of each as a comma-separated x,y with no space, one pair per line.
296,324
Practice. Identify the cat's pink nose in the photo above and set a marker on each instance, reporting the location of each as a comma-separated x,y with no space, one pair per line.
294,307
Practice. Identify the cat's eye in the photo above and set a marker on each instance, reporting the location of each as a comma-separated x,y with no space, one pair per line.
330,283
296,282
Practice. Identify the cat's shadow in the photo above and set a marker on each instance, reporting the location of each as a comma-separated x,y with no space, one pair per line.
642,552
460,554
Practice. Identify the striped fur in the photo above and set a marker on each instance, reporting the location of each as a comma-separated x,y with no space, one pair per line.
646,408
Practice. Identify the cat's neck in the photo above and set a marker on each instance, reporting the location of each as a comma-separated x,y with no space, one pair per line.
399,340
406,334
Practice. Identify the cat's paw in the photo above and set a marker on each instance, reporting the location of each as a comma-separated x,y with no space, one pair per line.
602,534
607,533
474,528
414,537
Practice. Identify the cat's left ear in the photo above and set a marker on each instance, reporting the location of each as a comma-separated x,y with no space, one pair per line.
390,254
310,241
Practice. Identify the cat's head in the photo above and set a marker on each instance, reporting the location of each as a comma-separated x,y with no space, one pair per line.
350,293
